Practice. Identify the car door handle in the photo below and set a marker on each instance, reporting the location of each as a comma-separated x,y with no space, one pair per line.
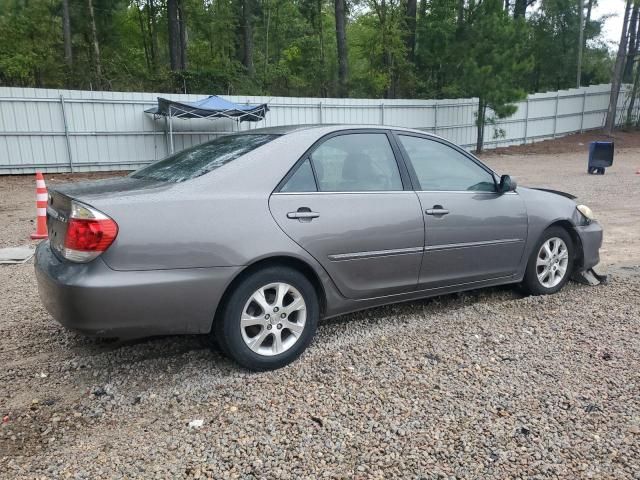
437,210
303,214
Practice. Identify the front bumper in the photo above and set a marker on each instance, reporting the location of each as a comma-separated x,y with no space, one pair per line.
94,299
591,240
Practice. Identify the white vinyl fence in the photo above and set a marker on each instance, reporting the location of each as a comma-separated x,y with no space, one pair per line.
68,130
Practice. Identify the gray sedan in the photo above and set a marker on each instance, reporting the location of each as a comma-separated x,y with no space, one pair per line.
254,236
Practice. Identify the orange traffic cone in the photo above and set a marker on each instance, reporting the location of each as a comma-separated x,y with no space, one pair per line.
41,208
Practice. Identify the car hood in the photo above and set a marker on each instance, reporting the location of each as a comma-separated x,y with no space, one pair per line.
557,192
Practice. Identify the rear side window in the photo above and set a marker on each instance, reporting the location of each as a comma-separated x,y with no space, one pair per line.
302,180
201,159
356,162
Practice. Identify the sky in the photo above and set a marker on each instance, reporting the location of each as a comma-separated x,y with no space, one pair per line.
613,25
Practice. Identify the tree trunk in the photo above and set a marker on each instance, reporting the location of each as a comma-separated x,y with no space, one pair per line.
96,45
589,8
174,35
460,14
423,9
323,83
341,40
482,111
634,96
616,81
247,37
519,8
580,42
66,34
387,54
153,32
587,21
143,33
267,21
412,10
184,39
633,45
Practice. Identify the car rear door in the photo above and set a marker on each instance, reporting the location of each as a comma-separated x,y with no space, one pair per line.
349,204
472,232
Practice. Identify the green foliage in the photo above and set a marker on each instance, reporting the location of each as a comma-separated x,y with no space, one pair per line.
378,51
494,63
484,53
554,29
30,40
437,54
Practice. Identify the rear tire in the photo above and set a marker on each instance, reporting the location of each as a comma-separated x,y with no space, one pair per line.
269,319
551,263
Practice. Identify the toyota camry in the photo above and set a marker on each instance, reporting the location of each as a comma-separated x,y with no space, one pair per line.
253,237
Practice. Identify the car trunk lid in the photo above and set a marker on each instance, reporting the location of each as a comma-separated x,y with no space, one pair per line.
89,193
58,212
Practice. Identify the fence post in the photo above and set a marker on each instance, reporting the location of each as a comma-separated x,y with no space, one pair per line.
320,111
166,136
155,142
584,103
170,131
66,133
526,122
555,115
382,114
435,119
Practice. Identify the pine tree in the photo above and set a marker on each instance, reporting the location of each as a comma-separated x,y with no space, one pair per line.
494,64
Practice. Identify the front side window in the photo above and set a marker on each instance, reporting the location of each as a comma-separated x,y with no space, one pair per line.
196,161
442,168
356,162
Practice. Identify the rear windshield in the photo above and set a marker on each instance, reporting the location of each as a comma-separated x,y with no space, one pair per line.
201,159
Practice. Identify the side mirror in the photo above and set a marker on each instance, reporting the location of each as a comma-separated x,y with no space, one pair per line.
507,184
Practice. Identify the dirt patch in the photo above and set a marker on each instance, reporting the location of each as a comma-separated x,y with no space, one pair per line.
576,143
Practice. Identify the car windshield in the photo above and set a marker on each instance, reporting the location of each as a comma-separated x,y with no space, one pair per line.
201,159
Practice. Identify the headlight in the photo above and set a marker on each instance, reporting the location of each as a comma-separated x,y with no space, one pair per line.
586,212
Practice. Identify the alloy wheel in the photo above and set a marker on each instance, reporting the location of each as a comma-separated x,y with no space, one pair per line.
552,262
273,319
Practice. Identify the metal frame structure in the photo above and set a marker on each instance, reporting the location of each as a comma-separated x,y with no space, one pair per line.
192,112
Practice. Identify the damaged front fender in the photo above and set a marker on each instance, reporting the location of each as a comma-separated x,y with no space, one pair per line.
557,192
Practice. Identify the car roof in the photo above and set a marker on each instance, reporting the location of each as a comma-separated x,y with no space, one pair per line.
327,128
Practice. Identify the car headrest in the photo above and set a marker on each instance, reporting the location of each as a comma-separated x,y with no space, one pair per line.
355,166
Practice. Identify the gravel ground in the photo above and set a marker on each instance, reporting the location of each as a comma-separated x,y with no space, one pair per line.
477,385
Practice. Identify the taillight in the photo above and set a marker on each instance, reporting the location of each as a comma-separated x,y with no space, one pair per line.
89,233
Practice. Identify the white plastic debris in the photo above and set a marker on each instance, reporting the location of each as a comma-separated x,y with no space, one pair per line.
16,254
196,423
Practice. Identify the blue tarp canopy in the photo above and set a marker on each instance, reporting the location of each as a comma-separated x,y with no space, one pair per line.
210,107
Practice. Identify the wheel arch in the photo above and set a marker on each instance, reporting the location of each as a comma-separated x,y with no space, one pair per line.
575,238
275,261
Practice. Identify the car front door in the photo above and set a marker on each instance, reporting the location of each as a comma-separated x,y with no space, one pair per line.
472,232
350,205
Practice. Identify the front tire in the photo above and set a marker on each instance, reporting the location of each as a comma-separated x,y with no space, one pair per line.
269,319
551,263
